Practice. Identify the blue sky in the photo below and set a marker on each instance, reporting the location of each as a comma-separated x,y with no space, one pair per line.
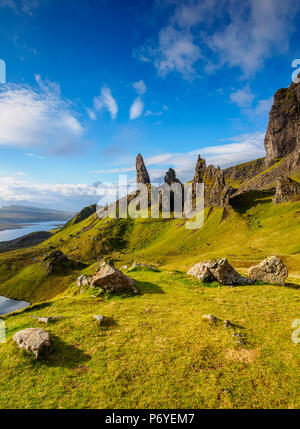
90,83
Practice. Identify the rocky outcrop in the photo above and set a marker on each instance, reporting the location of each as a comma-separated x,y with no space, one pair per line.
33,340
270,270
241,172
57,262
216,192
142,175
283,132
286,189
85,213
171,178
110,279
217,270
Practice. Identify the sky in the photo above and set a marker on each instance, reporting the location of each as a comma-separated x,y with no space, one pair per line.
91,83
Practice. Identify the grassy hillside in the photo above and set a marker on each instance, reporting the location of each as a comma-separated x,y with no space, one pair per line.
246,233
155,350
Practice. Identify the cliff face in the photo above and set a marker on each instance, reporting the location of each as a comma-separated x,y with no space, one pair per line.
282,137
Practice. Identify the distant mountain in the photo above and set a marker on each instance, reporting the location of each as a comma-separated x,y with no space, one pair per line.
23,214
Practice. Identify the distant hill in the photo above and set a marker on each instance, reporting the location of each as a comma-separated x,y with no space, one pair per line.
11,216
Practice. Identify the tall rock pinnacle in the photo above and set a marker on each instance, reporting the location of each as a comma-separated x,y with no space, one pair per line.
283,133
142,175
171,178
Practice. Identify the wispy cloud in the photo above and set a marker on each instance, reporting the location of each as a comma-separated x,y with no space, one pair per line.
242,97
28,7
38,118
136,109
105,101
140,87
238,34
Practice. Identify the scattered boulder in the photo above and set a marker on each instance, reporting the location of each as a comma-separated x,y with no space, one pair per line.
217,270
83,280
55,261
210,318
270,270
286,189
110,279
32,340
227,324
100,319
202,272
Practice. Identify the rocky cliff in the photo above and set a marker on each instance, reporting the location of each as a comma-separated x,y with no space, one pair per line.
282,136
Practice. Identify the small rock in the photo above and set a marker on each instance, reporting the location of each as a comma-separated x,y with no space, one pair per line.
83,280
32,340
227,324
100,319
210,318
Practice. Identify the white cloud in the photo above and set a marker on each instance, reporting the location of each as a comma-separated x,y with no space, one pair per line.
176,51
106,101
67,196
239,34
242,97
136,109
159,113
37,118
140,87
241,148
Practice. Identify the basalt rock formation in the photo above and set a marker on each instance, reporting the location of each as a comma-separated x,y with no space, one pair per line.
216,192
171,178
142,175
286,189
282,137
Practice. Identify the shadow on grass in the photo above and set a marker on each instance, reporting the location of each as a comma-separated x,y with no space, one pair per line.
63,355
291,285
147,287
243,202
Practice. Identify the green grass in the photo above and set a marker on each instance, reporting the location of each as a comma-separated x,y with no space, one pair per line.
167,357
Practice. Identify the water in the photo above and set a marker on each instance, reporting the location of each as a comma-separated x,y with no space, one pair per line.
8,305
11,234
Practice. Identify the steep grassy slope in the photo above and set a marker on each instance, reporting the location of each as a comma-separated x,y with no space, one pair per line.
246,233
156,352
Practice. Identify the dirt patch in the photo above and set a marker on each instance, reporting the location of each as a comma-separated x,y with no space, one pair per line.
242,355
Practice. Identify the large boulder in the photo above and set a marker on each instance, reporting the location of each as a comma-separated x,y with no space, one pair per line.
286,189
270,270
110,279
217,270
32,340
